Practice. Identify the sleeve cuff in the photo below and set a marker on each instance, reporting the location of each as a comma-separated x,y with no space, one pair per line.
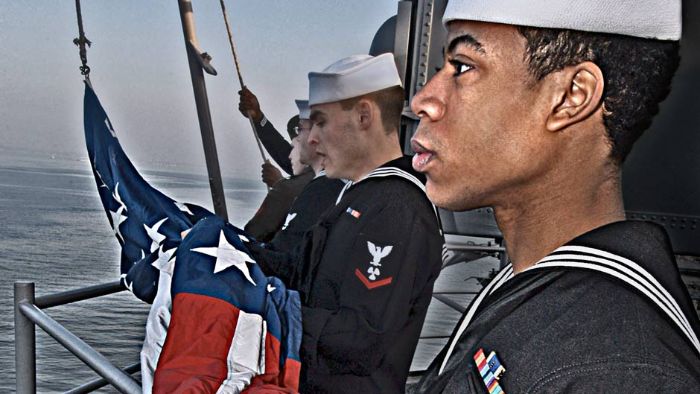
263,121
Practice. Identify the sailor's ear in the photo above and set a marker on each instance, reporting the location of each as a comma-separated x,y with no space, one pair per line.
578,93
365,113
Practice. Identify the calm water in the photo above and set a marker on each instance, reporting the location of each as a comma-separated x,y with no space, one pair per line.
54,232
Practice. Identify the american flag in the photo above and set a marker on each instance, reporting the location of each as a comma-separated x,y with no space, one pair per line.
220,322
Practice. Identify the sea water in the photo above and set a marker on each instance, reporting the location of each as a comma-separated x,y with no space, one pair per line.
54,232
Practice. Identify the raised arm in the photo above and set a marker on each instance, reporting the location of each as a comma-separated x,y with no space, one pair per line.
274,143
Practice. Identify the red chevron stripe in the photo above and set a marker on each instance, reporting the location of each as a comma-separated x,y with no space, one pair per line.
372,285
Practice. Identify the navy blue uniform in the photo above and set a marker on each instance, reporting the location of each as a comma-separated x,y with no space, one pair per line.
275,144
280,256
318,195
270,217
366,276
573,329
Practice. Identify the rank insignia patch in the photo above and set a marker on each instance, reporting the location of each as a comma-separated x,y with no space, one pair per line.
378,253
490,369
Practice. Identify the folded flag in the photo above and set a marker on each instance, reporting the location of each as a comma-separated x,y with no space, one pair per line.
217,323
231,326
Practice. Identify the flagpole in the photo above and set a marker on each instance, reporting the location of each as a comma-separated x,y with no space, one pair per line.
198,62
240,77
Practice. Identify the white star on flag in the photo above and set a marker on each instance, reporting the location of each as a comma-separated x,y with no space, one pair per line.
164,262
118,217
117,197
154,234
226,256
129,286
109,127
182,207
270,288
99,176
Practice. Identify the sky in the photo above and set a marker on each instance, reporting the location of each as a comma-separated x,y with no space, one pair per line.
140,72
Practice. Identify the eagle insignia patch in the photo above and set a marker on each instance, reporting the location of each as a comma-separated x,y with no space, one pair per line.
372,281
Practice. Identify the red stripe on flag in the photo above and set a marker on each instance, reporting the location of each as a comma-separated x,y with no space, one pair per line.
289,381
195,351
291,374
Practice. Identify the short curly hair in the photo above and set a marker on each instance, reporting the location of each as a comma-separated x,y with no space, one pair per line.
637,74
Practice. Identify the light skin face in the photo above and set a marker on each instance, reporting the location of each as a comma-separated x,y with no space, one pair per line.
297,166
307,154
536,151
337,139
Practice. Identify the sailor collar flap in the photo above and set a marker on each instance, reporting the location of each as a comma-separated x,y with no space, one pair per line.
400,167
582,253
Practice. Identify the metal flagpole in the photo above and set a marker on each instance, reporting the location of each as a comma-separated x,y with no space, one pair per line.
199,61
240,78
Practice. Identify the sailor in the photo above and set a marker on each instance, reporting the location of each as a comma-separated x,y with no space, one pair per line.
367,267
281,253
272,139
270,217
533,113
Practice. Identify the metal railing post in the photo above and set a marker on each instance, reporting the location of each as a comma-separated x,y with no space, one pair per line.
25,341
91,357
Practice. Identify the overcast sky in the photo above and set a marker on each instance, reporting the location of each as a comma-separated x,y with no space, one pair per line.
140,72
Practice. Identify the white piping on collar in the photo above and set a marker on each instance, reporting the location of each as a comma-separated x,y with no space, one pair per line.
383,172
391,171
502,277
629,272
605,262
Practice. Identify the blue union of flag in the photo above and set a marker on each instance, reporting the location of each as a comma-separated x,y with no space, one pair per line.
146,222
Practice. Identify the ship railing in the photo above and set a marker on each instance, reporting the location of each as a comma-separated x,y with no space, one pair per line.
476,247
29,314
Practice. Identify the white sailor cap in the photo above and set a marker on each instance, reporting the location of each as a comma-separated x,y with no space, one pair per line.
353,76
304,111
657,19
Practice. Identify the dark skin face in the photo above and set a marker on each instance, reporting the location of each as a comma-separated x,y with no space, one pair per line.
483,120
536,151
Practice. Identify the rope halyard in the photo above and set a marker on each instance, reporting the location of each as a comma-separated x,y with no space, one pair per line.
81,41
240,77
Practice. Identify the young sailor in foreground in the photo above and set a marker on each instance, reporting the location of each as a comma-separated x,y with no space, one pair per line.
368,266
550,101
